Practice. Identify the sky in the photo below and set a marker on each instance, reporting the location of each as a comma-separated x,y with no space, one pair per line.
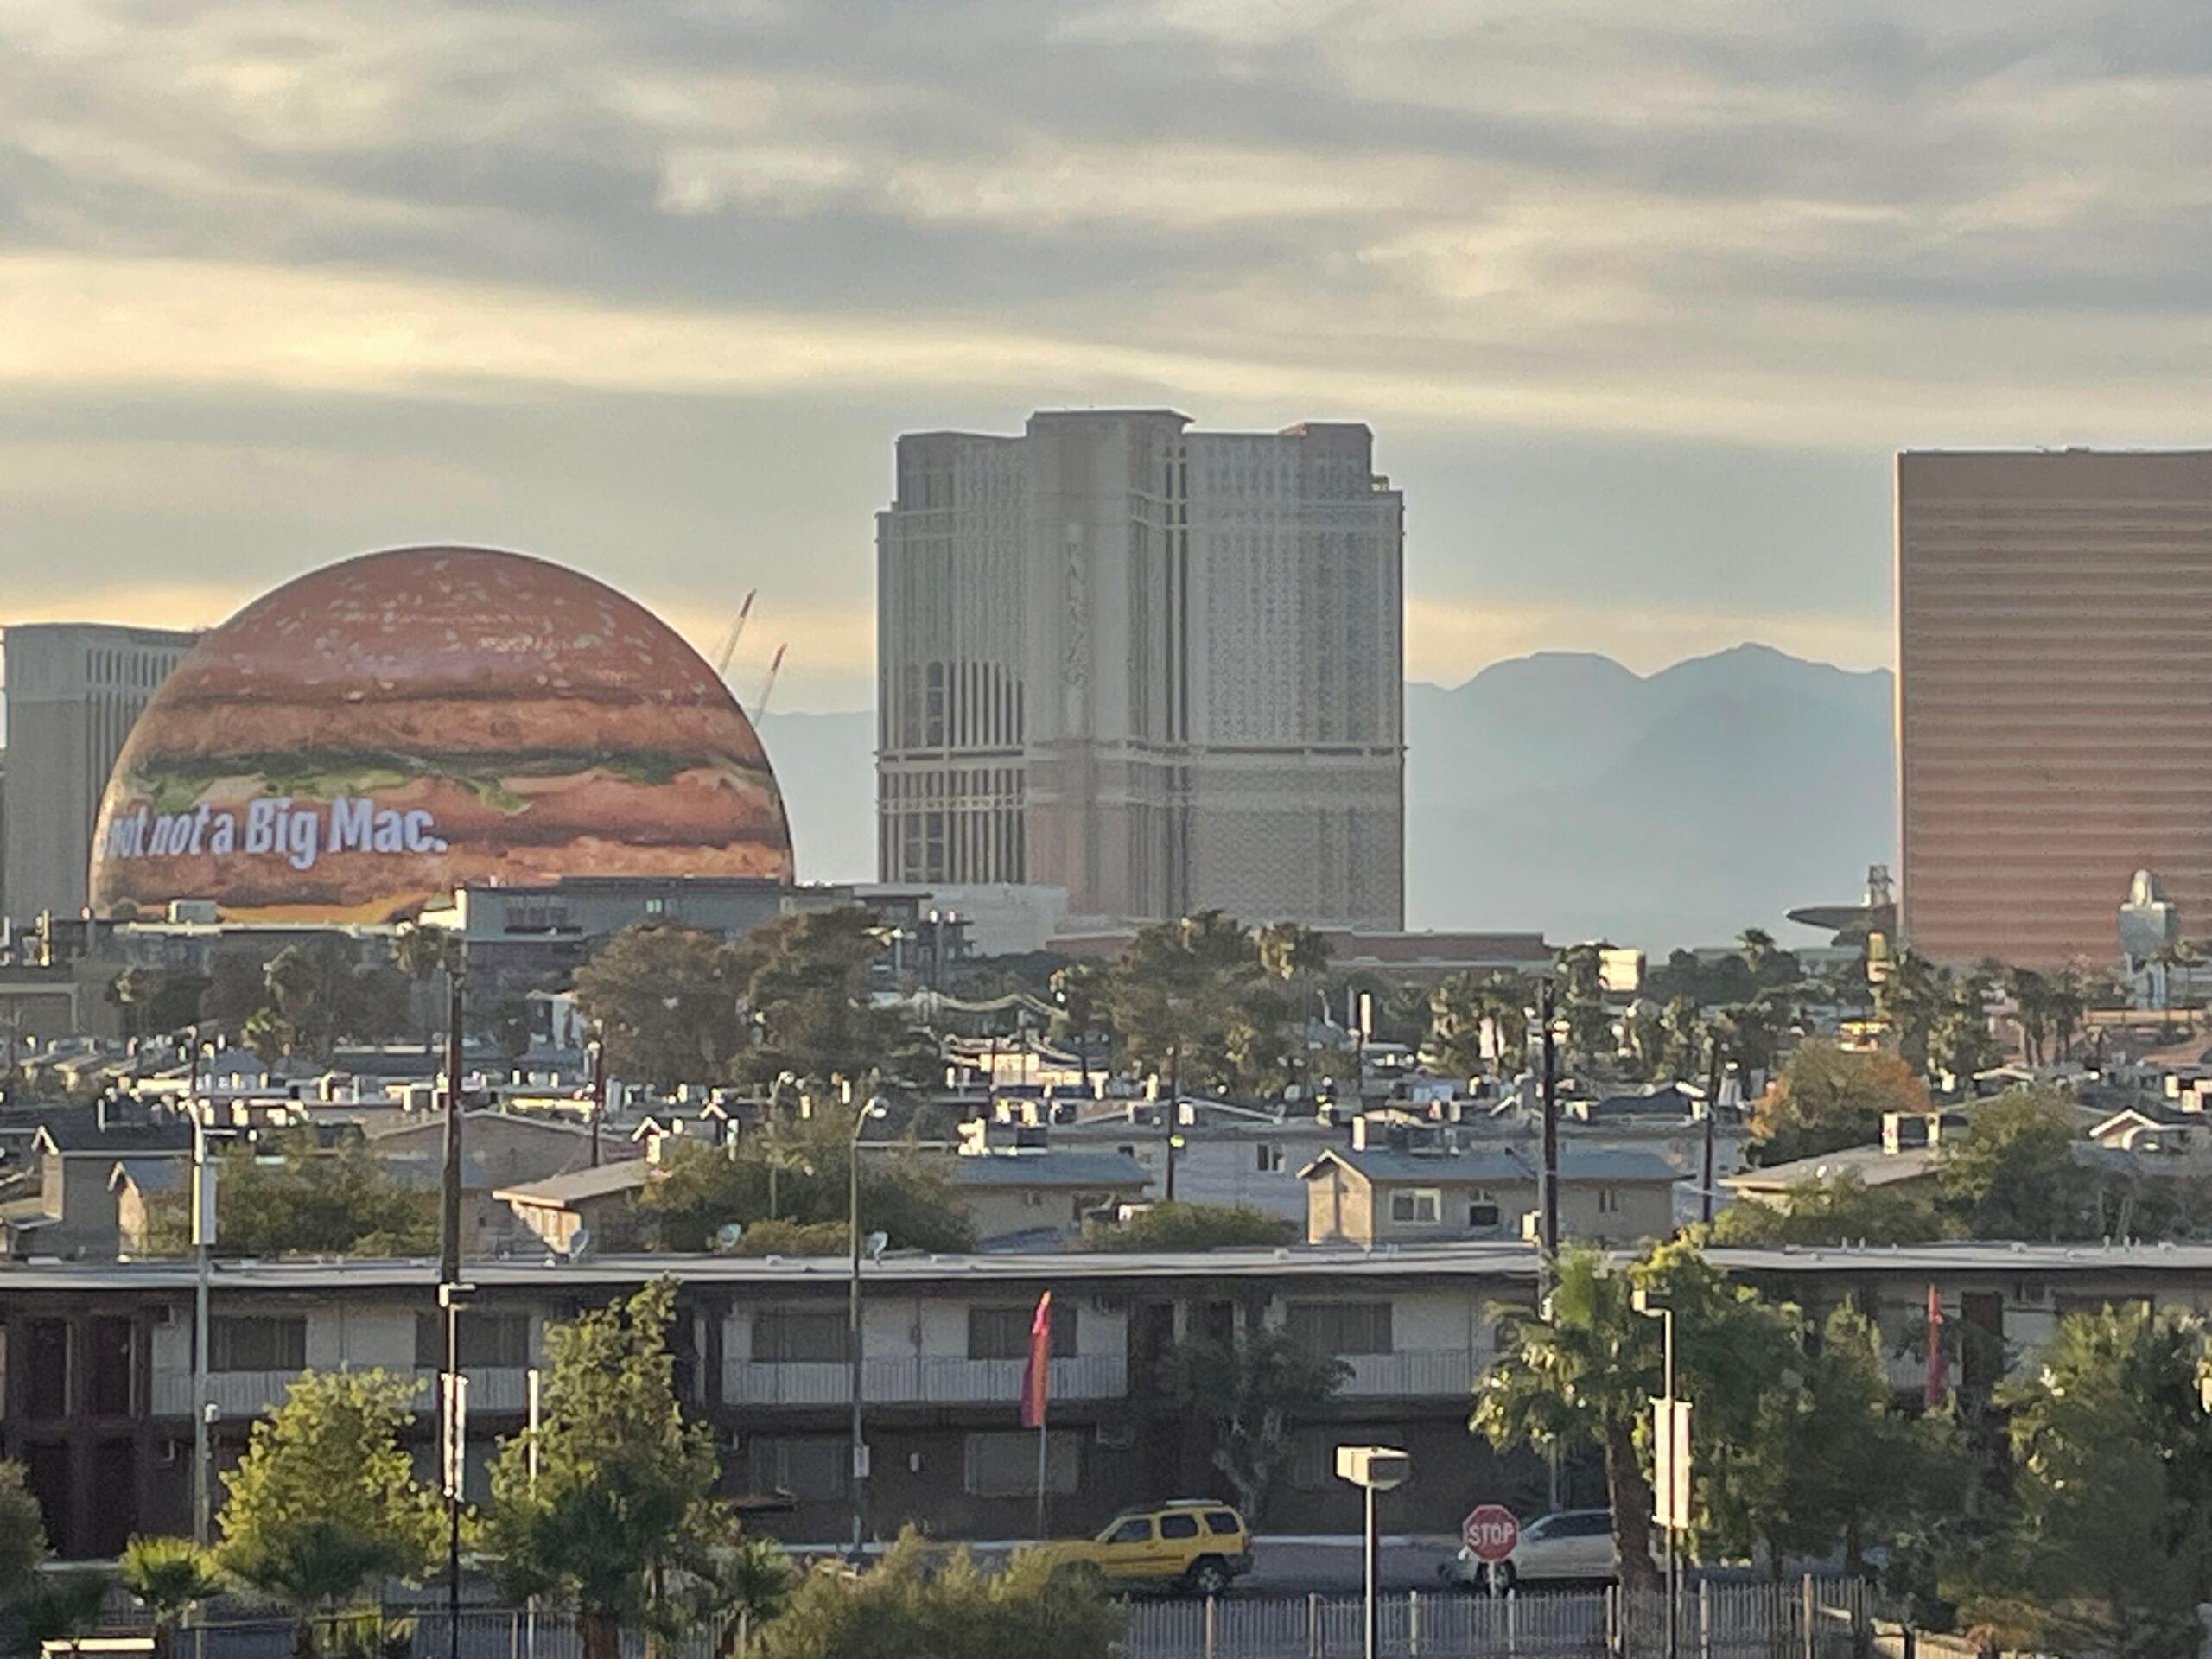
1639,296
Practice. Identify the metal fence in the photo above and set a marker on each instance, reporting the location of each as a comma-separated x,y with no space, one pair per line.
1800,1619
484,1633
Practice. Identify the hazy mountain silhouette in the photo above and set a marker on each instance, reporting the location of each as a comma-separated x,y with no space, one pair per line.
1559,792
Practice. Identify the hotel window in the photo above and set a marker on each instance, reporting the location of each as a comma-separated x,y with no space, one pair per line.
1340,1327
489,1342
1003,1332
1608,1200
799,1336
257,1344
1416,1204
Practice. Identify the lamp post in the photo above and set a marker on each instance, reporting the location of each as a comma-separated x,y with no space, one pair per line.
596,1052
775,1120
875,1107
452,1296
1669,1442
1373,1469
203,1240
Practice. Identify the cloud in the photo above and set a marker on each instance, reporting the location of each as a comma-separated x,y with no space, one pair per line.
1747,230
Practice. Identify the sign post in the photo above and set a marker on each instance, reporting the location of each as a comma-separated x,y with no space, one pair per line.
1491,1533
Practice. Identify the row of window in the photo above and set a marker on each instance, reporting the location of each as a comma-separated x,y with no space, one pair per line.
812,1335
812,1468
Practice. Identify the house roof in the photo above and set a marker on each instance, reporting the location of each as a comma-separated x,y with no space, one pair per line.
77,1131
580,1186
1049,1168
1495,1167
148,1174
1870,1164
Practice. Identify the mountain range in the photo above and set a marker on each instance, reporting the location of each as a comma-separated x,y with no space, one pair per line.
1560,793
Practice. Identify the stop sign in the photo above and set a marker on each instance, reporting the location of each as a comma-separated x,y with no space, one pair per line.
1489,1532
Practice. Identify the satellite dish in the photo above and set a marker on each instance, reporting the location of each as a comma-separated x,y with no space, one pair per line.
579,1243
726,1237
875,1244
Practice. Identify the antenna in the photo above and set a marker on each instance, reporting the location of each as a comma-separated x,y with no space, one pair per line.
760,703
728,651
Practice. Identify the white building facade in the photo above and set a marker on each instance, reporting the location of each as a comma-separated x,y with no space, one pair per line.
1159,668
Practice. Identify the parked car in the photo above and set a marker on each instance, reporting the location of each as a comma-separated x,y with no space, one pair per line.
1566,1546
1199,1545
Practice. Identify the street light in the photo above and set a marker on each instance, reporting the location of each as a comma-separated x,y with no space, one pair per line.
875,1108
1373,1469
452,1297
203,1241
1670,1442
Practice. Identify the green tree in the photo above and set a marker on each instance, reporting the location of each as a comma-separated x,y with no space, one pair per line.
1185,1226
1583,1372
1189,999
22,1533
1839,1211
1794,1481
325,1502
167,1576
1466,1008
914,1604
1078,994
620,1518
1291,951
308,1200
156,1000
664,1002
2112,1544
320,994
802,984
911,1198
1826,1099
1249,1391
2012,1173
424,956
1587,1027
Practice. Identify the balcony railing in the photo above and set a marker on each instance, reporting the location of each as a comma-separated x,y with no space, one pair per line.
249,1394
1417,1373
916,1381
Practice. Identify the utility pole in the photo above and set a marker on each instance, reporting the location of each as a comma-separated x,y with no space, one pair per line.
1548,1220
450,1293
203,1240
597,1048
1712,1112
1174,1112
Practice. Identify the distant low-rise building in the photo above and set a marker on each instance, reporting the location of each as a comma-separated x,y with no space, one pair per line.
1042,1196
1392,1195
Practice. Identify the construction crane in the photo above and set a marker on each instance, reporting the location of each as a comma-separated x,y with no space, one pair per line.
760,704
729,651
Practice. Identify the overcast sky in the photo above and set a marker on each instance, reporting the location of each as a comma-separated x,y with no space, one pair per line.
1639,297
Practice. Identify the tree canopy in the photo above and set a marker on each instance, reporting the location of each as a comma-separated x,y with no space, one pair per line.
1248,1390
1185,1226
911,1199
1838,1211
294,1196
325,1501
620,1517
1826,1099
915,1604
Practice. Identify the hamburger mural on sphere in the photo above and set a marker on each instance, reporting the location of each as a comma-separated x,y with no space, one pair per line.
360,741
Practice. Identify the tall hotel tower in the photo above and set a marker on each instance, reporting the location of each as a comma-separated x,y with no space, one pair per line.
2054,697
1159,668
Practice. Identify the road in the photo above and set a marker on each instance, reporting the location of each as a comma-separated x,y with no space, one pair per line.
1287,1567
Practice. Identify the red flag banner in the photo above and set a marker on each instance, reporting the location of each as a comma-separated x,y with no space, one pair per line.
1036,1373
1938,1380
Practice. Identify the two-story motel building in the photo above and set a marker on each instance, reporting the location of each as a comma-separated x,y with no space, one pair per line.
96,1381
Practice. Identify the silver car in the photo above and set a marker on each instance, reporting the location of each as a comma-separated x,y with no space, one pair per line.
1564,1547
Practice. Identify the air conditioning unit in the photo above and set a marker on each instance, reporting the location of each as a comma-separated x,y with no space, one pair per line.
1116,1437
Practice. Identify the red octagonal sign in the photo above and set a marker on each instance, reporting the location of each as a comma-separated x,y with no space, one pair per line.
1489,1532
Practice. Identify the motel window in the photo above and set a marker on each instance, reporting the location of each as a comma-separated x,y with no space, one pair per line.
799,1336
489,1342
1003,1332
1482,1213
1005,1464
257,1344
1608,1200
1340,1327
806,1466
1418,1203
1270,1157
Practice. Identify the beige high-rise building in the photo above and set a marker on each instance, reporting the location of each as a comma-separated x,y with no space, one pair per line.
1159,668
2054,697
74,690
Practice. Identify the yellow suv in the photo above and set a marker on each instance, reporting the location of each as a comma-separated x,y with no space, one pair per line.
1196,1544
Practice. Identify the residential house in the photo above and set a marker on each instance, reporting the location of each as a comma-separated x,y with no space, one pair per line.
600,1205
1424,1192
71,1210
1039,1197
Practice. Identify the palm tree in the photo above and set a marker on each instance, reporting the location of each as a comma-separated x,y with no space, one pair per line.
1583,1370
166,1575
